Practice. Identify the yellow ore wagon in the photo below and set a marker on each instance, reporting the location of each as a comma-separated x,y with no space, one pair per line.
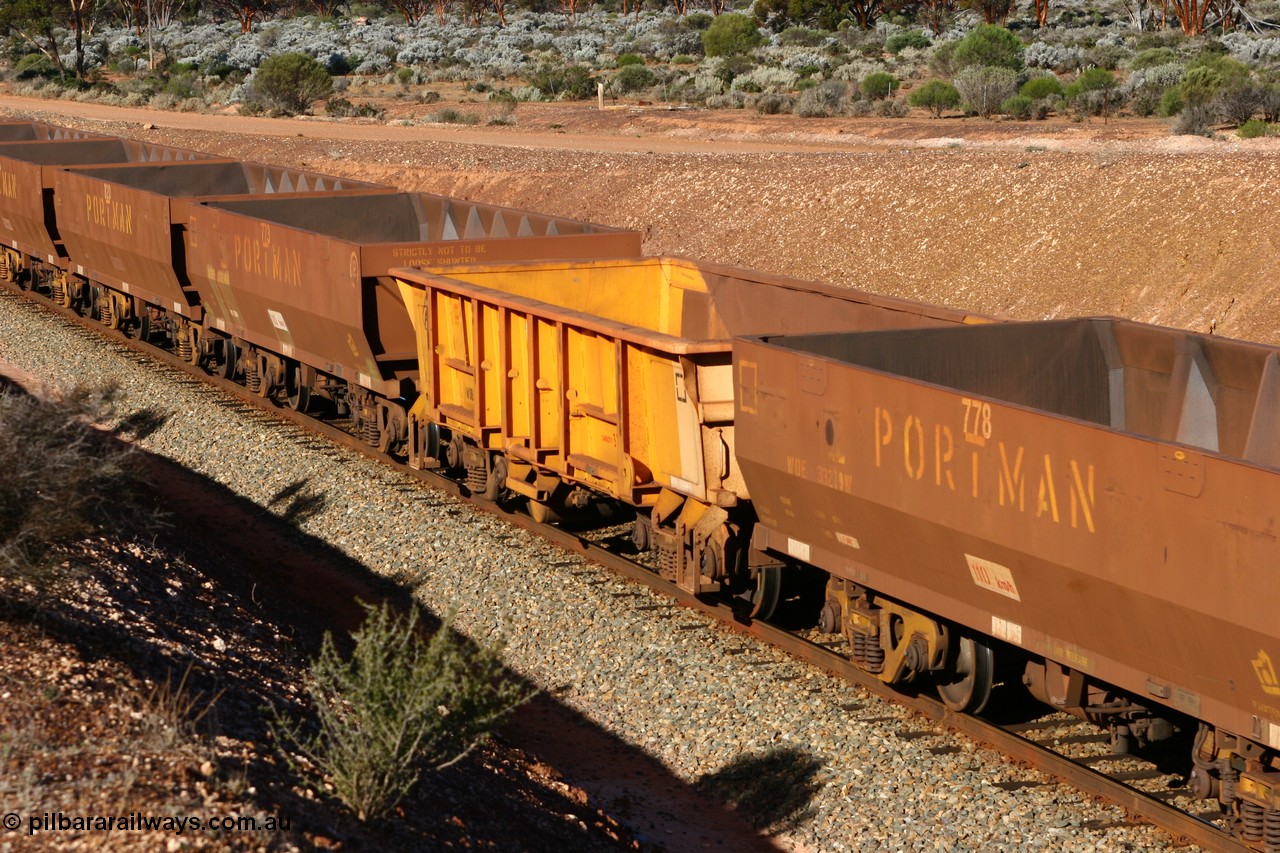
565,381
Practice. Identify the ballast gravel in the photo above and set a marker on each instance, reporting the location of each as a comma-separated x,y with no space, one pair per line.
820,764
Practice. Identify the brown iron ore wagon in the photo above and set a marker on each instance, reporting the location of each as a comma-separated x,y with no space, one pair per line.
1095,498
32,253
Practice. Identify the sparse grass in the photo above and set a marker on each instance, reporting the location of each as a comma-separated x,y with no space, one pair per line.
172,711
61,479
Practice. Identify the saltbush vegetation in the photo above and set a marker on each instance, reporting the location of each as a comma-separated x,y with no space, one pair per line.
538,51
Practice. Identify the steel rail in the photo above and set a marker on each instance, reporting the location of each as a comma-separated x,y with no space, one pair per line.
1184,827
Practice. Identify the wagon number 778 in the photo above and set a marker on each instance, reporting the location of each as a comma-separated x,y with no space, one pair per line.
977,421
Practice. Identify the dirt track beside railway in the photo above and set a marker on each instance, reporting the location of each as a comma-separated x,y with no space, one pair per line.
1030,221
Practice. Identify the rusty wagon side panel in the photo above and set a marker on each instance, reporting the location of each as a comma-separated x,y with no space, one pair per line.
28,222
124,225
309,278
1098,492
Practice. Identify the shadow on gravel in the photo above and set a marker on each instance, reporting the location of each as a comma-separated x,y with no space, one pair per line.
298,502
280,590
141,424
775,789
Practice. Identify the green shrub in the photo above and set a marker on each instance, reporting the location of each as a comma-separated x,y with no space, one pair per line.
801,37
1152,57
404,76
942,60
1199,84
396,706
935,96
1171,102
1225,68
878,85
1253,128
633,78
289,82
1106,56
1018,106
1094,92
34,65
1036,88
731,35
630,59
915,39
1091,80
989,46
732,67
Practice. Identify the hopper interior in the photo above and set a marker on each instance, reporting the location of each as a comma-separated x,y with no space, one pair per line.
1211,393
125,224
21,131
26,180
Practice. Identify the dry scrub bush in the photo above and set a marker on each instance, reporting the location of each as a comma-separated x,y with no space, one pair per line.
398,706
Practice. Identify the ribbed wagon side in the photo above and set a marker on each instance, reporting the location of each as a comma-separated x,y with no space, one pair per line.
1097,497
305,285
561,381
125,229
22,130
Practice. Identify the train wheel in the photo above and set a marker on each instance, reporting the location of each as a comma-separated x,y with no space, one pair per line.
640,534
496,483
299,393
542,513
140,327
972,674
230,357
764,596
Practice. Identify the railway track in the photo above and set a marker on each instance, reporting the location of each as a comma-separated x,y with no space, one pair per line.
1053,744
